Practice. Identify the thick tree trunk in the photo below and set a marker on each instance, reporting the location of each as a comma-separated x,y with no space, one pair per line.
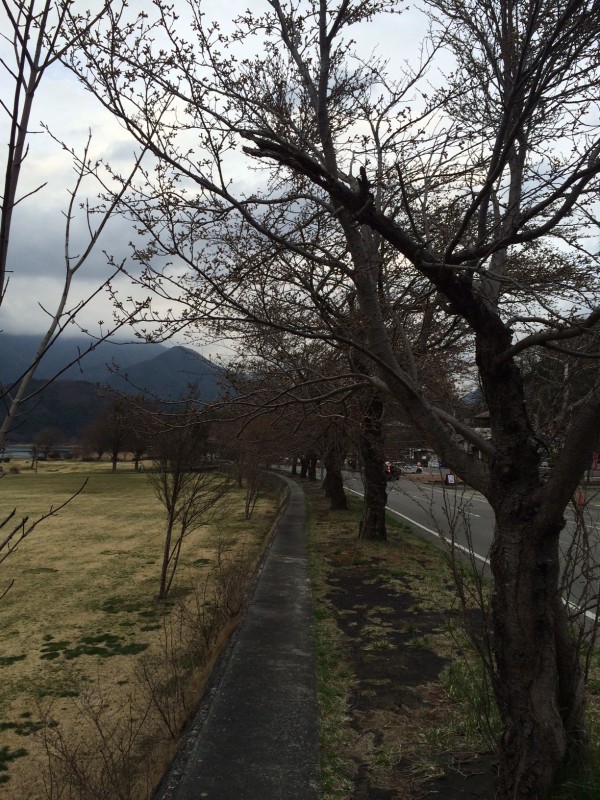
334,489
294,466
372,524
333,483
304,467
539,685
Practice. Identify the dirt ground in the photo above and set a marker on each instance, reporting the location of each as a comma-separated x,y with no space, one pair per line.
393,606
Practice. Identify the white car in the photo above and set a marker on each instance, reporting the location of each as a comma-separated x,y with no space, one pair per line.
411,469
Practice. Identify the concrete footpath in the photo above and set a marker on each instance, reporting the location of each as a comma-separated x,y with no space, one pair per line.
255,735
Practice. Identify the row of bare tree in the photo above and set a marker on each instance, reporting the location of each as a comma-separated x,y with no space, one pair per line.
415,224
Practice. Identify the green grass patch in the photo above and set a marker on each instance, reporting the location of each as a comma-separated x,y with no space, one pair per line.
104,645
372,722
121,605
334,681
6,756
6,661
473,714
581,781
25,728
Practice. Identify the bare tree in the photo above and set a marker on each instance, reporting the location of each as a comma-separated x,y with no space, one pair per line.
47,440
138,444
94,439
183,481
38,36
335,445
307,402
481,188
117,428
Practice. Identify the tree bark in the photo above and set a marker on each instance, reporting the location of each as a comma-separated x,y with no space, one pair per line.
334,489
162,592
372,524
539,683
303,466
333,483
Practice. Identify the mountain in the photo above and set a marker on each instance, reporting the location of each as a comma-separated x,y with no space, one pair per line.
17,352
68,406
71,405
171,375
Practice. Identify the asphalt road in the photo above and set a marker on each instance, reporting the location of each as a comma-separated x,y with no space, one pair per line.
433,511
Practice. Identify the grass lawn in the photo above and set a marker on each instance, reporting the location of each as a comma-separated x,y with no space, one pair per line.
81,616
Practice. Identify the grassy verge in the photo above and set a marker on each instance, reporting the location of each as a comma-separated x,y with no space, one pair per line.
89,659
406,710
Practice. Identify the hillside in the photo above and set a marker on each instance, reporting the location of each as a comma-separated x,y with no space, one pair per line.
170,376
74,400
68,406
17,352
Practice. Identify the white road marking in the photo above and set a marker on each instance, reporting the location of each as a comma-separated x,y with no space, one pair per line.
464,510
471,553
429,530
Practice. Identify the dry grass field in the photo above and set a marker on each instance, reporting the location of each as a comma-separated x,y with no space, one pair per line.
89,660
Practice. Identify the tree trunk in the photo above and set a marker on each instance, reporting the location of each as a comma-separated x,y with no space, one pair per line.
312,467
539,683
162,592
294,466
303,466
172,562
540,692
372,524
333,483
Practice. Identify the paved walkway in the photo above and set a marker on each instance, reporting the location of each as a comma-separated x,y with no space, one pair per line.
255,735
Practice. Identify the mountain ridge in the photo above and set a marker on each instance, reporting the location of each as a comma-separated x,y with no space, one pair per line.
73,400
17,351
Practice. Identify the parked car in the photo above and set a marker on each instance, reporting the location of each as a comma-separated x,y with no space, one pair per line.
411,469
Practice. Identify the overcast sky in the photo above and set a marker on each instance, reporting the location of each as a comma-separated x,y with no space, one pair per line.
37,239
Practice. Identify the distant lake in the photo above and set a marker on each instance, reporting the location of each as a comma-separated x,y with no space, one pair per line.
17,451
24,451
